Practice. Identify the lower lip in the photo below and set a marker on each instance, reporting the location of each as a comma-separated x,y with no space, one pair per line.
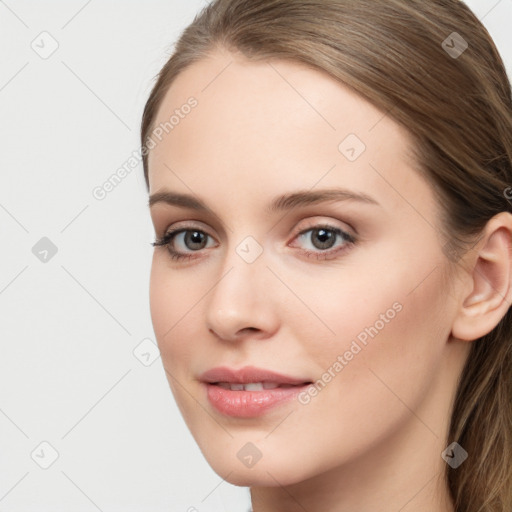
249,404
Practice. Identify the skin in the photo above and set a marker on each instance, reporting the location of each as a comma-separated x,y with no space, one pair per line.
372,437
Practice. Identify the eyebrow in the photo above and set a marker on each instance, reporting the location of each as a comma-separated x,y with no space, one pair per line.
283,202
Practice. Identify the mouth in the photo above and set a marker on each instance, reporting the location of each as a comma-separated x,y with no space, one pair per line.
249,392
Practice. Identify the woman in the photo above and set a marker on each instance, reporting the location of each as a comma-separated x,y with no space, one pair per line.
330,289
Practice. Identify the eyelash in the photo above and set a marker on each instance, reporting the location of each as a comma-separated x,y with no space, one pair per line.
349,239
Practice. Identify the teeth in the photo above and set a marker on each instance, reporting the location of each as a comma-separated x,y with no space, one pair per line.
250,386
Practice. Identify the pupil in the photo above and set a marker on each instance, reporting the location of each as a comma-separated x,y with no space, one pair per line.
195,237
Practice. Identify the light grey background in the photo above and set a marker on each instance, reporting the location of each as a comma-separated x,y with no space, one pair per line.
75,328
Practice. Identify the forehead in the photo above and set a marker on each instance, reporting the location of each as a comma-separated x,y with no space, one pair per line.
253,121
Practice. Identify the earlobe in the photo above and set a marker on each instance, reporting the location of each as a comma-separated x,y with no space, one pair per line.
490,281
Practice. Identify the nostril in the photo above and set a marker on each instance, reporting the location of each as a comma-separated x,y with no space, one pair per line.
248,329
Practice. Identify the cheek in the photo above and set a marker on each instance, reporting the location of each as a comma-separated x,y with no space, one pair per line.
169,302
393,307
176,312
390,339
160,299
172,313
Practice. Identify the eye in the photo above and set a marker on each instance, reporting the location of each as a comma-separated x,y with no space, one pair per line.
321,239
192,239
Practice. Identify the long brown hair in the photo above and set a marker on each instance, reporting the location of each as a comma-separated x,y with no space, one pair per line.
433,67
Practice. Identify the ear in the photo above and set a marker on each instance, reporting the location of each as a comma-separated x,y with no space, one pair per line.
489,281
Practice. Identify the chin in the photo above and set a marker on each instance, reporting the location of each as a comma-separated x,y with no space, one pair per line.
266,472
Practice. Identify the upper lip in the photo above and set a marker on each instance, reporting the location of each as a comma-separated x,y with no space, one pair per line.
247,374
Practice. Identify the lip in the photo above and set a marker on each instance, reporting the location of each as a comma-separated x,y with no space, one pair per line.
249,404
247,374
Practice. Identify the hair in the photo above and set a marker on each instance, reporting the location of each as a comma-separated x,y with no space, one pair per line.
458,111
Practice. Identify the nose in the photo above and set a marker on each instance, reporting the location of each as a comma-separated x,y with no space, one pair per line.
243,302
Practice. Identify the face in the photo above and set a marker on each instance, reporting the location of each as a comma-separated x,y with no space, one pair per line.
343,291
